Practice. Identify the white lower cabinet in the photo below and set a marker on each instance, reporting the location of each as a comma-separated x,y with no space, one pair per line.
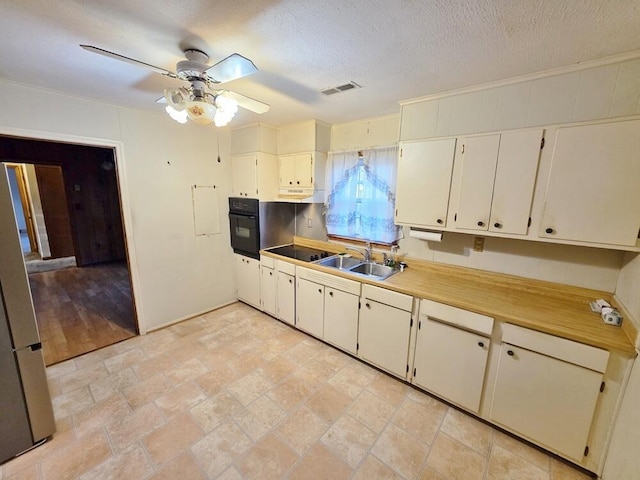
327,307
286,298
450,361
268,289
248,275
385,327
547,388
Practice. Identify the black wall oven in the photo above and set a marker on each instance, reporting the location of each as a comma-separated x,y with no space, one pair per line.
255,225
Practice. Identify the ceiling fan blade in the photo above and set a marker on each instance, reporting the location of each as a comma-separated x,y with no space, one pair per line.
233,67
255,106
122,58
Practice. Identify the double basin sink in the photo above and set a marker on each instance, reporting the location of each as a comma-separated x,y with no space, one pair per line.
372,270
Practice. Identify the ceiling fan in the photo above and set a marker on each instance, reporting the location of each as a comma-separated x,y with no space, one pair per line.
202,101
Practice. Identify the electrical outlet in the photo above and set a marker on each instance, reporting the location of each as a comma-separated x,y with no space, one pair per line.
478,244
309,223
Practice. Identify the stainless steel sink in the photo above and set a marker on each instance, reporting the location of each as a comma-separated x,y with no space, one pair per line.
356,266
342,262
374,270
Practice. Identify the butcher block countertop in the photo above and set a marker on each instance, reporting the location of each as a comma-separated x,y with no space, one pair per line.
547,307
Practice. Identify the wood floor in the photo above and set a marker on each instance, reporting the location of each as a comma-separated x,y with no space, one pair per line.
82,309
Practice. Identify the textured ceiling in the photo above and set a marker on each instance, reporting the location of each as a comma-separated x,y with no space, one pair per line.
395,49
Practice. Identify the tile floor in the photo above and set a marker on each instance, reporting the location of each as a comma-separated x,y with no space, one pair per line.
235,394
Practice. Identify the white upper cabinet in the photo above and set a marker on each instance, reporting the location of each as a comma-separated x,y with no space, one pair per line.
424,182
593,191
255,175
304,137
497,176
297,170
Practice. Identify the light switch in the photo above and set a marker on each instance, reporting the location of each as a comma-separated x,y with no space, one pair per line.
478,244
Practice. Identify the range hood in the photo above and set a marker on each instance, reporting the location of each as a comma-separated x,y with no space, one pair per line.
300,195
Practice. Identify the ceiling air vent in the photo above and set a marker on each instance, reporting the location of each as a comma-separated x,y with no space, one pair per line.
340,88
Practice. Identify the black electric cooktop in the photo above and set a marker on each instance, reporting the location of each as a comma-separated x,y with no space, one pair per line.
304,254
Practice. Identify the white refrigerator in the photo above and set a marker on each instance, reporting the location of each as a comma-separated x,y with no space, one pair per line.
26,415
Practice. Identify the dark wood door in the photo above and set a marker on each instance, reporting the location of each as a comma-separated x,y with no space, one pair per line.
55,210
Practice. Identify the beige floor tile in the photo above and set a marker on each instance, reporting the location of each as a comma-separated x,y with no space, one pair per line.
504,465
467,430
259,417
518,447
418,419
291,392
30,472
97,356
277,369
147,390
72,403
127,431
82,377
246,363
321,464
131,463
302,429
101,414
152,367
268,459
429,474
221,448
350,380
373,468
180,399
250,387
230,473
317,370
301,353
62,368
328,402
170,440
216,410
124,360
185,371
371,410
400,451
183,467
77,458
389,389
349,440
434,406
564,471
217,379
104,387
454,460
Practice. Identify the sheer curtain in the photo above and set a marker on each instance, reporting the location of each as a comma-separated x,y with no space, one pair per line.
360,194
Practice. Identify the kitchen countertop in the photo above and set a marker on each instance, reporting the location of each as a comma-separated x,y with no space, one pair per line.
547,307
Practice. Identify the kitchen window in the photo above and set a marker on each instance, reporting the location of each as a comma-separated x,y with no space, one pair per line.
360,198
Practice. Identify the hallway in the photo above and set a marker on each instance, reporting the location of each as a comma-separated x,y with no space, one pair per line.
82,309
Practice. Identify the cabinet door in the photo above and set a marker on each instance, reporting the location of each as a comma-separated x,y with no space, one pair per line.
383,336
547,400
244,175
304,170
248,274
450,362
287,171
341,319
424,182
515,180
286,295
310,307
592,193
268,288
479,159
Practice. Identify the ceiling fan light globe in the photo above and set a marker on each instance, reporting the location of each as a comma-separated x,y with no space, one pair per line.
200,112
179,116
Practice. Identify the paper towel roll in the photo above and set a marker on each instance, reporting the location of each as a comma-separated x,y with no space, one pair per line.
428,236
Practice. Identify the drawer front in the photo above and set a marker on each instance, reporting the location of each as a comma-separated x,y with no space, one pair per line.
328,280
268,262
457,316
388,297
286,267
573,352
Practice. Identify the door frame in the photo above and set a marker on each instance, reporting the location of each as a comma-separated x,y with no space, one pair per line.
27,206
123,194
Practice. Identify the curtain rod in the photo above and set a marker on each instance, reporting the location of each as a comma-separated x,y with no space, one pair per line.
358,150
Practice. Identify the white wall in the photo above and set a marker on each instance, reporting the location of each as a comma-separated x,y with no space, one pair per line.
175,274
628,288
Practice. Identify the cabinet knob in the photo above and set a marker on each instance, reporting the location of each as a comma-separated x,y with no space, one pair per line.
290,281
290,183
481,223
511,353
331,294
497,225
549,230
367,305
319,290
481,344
439,221
298,182
270,274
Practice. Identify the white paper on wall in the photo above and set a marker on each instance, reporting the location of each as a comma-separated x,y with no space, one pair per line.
206,213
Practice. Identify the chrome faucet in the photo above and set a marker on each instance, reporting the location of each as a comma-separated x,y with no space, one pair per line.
365,252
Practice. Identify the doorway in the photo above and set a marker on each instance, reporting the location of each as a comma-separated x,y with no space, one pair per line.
89,304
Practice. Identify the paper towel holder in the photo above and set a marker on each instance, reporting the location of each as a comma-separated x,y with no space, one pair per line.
426,235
